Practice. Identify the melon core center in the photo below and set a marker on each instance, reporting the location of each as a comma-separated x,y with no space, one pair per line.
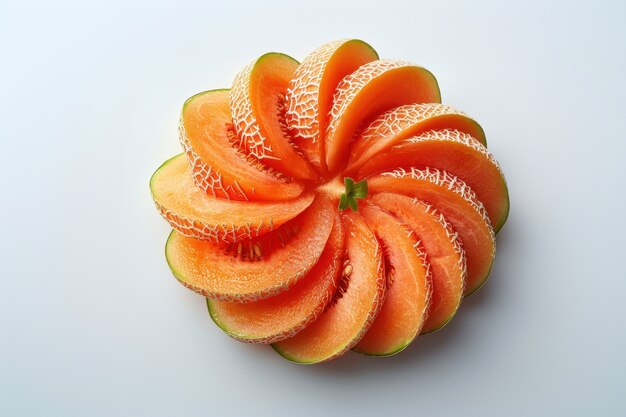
333,188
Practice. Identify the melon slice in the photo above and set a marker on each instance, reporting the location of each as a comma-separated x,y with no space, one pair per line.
310,94
444,250
408,286
460,206
457,153
218,166
354,306
283,315
257,102
276,261
195,214
405,121
366,93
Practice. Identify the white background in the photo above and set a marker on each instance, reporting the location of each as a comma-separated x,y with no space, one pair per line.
93,324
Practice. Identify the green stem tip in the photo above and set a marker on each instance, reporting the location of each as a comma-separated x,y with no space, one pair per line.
353,192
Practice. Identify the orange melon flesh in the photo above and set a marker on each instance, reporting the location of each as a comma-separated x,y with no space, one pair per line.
460,206
457,153
444,251
206,268
256,98
366,93
310,94
283,315
408,286
195,214
345,321
218,167
410,120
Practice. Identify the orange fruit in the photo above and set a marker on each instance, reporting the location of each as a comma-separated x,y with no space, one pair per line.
330,205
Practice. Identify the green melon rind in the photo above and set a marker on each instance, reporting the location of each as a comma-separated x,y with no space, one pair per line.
271,54
390,352
221,325
190,99
176,273
362,42
505,217
482,283
154,174
246,338
308,362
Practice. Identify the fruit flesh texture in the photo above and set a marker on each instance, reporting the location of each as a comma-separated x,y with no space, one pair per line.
444,251
406,121
218,273
283,315
256,102
195,214
457,153
345,321
218,166
407,294
458,203
310,94
366,93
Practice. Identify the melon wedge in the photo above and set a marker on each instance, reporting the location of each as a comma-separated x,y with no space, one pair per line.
283,315
457,153
408,286
443,248
354,307
218,166
310,94
366,93
223,274
257,101
460,206
195,214
410,120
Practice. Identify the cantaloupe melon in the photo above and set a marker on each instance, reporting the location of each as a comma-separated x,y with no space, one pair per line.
195,214
408,289
356,303
369,91
443,248
282,316
457,153
460,206
405,121
218,165
330,205
252,270
257,104
310,93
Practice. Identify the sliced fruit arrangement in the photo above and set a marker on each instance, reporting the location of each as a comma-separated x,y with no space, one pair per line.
354,306
406,121
194,213
454,152
218,165
257,268
257,105
332,205
446,256
310,93
458,203
372,89
408,286
282,316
